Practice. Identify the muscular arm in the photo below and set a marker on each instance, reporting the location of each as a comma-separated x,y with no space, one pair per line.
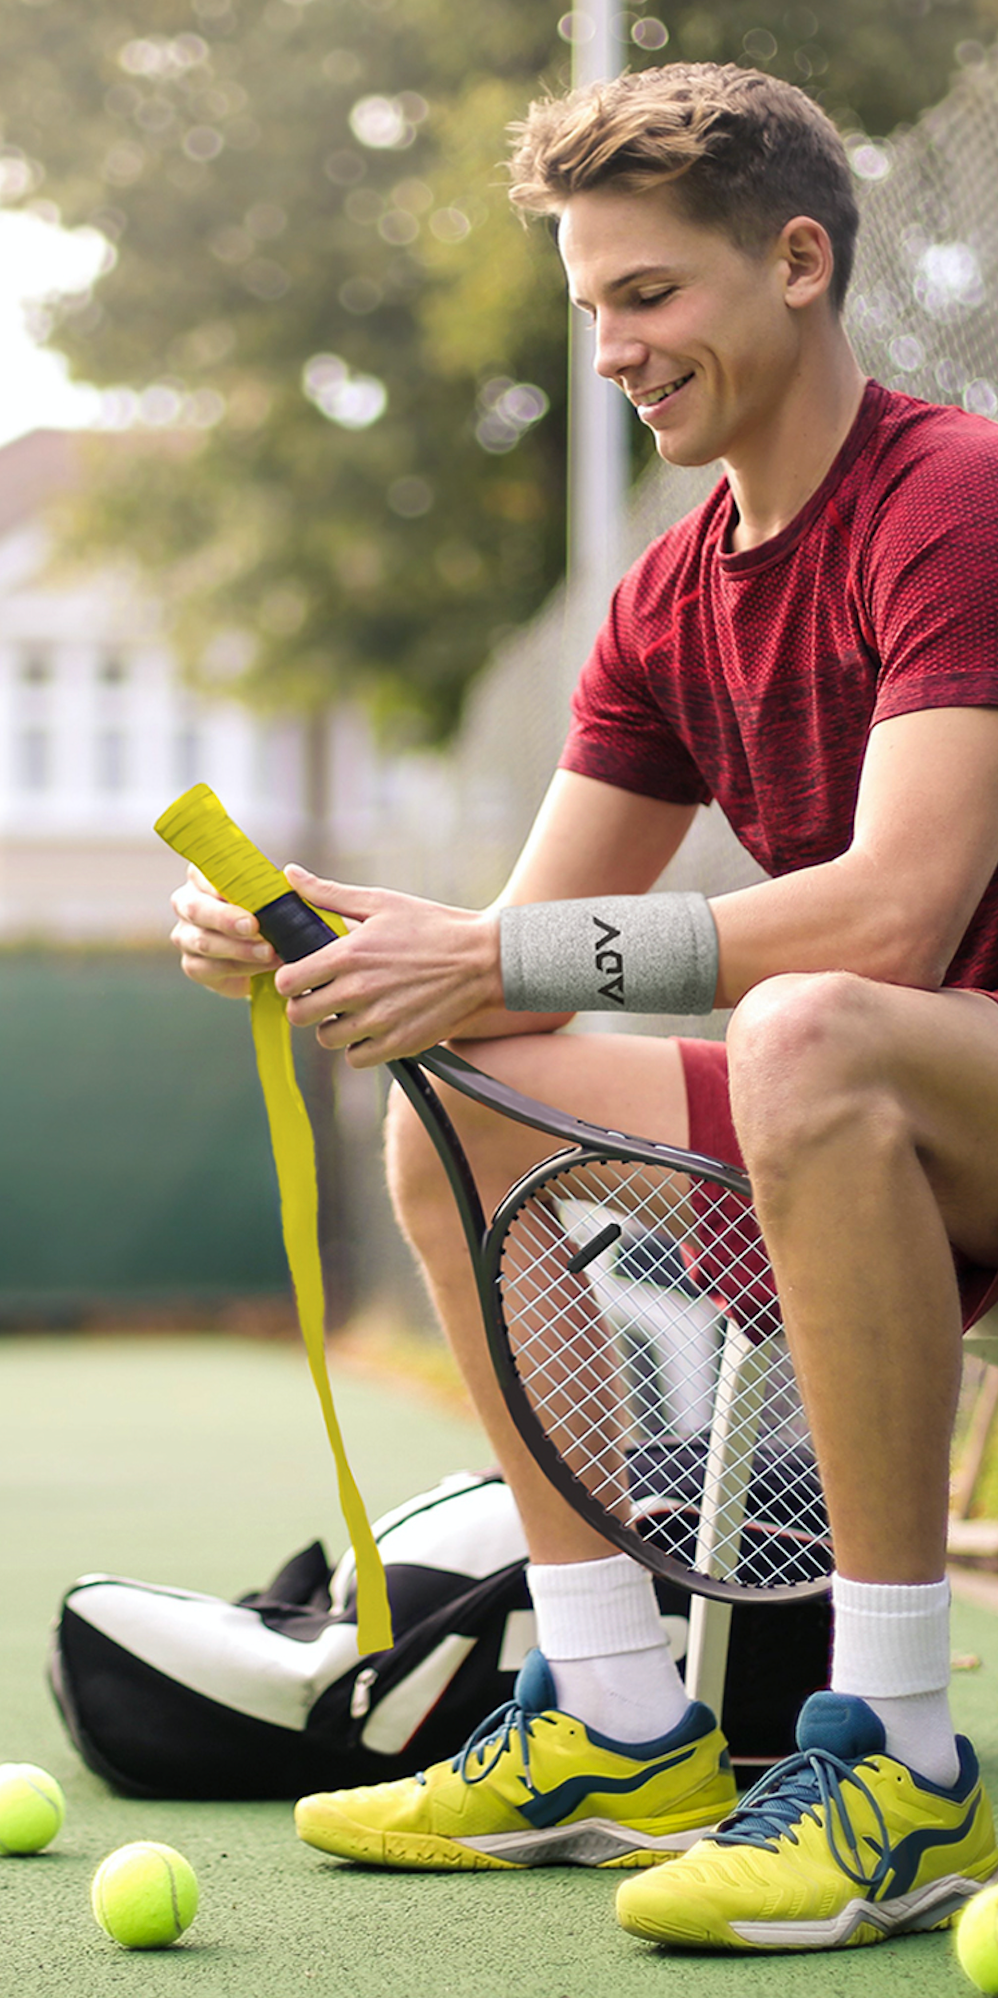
588,839
593,839
896,904
412,972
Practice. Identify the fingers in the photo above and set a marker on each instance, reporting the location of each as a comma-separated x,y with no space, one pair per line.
336,896
325,991
220,945
308,983
353,992
199,905
199,941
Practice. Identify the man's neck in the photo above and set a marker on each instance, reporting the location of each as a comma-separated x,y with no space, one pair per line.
776,470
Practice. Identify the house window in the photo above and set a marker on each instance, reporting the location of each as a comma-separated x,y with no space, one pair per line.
36,669
187,755
111,760
33,766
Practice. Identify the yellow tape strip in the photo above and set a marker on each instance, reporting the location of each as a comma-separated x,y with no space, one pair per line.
294,1157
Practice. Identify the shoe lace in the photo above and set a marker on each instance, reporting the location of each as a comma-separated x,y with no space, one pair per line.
496,1732
797,1789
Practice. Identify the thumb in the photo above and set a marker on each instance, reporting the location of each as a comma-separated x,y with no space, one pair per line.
336,896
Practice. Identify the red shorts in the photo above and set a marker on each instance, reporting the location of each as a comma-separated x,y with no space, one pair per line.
705,1066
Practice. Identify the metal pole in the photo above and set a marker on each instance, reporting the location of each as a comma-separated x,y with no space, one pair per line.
597,431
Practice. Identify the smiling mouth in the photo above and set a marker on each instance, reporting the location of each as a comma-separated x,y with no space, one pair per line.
650,398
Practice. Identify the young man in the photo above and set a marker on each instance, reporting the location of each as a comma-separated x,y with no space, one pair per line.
817,647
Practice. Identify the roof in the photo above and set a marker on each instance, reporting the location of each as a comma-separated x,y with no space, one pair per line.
33,469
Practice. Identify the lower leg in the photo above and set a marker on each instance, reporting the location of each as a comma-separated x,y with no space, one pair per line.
598,1619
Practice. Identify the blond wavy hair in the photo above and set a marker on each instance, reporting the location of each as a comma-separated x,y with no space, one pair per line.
744,151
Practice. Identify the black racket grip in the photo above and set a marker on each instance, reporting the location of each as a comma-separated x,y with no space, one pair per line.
292,927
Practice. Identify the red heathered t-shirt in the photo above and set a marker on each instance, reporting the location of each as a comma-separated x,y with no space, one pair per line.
755,678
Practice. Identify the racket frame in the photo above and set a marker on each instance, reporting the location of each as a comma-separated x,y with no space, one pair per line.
584,1144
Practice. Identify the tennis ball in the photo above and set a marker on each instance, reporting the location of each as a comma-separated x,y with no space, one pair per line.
144,1895
977,1940
32,1807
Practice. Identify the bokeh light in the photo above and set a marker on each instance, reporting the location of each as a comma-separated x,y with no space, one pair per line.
650,33
868,161
450,225
507,409
387,124
411,497
353,401
576,27
949,279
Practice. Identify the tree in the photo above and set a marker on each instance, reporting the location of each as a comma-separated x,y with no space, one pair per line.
350,359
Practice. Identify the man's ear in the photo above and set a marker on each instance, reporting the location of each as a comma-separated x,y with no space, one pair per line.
805,249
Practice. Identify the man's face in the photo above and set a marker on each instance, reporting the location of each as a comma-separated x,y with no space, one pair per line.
678,308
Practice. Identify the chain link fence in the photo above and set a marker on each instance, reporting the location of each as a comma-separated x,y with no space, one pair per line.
923,318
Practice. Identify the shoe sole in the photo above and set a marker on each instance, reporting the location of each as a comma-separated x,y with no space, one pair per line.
934,1906
591,1842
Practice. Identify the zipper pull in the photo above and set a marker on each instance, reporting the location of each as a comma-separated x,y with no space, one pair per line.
360,1698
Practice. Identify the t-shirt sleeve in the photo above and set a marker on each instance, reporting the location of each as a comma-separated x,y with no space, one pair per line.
619,733
931,586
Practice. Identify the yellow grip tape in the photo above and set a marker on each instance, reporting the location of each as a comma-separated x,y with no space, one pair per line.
294,1157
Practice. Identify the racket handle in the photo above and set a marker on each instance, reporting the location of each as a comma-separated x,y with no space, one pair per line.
293,928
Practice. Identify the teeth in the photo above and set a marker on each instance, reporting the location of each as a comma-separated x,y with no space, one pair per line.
671,389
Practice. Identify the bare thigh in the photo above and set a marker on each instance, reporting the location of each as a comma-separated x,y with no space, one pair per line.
629,1083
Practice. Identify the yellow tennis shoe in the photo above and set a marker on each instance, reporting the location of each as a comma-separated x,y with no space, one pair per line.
836,1846
533,1787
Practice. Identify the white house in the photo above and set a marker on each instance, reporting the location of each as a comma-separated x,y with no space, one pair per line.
98,732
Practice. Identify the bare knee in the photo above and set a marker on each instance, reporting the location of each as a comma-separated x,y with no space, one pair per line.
807,1067
420,1191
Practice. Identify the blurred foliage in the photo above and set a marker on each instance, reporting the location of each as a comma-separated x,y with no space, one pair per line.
265,213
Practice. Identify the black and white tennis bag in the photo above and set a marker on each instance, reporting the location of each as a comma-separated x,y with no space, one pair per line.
166,1693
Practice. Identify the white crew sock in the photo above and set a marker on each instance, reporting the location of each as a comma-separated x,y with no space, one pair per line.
599,1627
892,1647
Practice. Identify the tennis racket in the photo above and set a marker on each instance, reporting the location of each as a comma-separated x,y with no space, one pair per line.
629,1306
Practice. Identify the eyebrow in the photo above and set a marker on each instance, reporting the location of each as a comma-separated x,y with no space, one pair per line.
630,277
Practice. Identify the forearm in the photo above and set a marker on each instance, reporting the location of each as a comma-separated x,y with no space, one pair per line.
588,839
498,1023
611,953
844,915
683,954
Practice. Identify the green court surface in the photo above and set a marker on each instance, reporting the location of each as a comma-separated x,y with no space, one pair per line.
202,1463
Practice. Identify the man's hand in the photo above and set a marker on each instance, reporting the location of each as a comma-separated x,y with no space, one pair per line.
409,974
220,946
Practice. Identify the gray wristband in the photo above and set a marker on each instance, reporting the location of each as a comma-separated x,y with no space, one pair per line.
610,953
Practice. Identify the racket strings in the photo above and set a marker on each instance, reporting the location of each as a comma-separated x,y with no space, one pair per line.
642,1319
